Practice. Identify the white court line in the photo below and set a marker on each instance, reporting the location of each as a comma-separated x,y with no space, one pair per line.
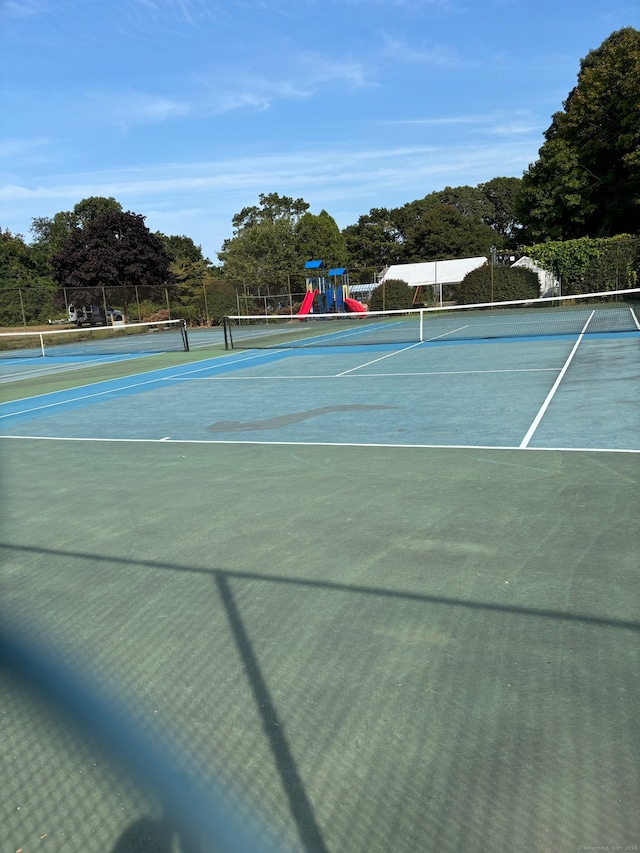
382,358
444,334
323,444
536,421
404,349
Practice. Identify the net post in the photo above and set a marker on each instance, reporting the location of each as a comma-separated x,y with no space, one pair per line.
228,340
185,337
421,336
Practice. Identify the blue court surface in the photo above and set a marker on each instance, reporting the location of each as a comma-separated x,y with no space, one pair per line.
551,393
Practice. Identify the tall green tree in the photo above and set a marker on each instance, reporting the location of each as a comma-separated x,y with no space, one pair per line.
444,232
502,215
586,181
264,246
91,208
182,247
469,202
374,241
319,238
25,294
49,233
272,208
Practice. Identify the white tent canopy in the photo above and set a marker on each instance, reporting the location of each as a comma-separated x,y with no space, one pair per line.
433,272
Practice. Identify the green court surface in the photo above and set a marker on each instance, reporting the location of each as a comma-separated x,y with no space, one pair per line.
374,648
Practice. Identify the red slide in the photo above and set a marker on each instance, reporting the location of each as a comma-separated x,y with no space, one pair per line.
354,305
307,302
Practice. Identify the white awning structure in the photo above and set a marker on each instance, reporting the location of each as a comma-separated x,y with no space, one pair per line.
431,273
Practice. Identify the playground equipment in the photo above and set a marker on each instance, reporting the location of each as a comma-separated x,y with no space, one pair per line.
354,306
327,292
307,302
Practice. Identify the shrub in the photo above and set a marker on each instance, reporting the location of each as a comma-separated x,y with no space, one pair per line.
508,283
393,295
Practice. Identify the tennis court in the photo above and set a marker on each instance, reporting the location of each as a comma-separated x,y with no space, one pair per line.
384,594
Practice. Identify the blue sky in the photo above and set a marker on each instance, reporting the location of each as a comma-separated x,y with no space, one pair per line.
186,110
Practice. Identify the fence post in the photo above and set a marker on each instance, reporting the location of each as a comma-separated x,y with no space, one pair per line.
206,306
24,319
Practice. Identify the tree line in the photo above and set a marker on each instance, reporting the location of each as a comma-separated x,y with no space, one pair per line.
584,186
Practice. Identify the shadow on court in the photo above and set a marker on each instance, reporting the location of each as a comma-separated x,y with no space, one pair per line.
406,650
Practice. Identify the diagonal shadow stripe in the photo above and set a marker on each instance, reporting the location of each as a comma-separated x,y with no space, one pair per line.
299,804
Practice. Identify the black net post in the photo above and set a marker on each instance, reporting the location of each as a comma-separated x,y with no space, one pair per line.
228,339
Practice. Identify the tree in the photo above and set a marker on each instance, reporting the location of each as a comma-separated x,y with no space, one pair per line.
586,181
261,254
50,232
375,240
471,202
25,294
264,247
319,238
221,299
191,272
502,215
114,250
444,232
91,208
272,208
182,248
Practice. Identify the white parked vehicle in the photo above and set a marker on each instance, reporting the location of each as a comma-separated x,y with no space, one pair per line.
94,315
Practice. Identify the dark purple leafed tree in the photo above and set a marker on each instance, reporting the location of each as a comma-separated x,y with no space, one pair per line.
117,252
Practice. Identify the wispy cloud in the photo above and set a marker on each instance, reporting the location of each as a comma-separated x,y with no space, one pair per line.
247,92
441,121
201,198
21,147
21,8
180,11
129,108
317,71
422,54
338,170
303,77
501,123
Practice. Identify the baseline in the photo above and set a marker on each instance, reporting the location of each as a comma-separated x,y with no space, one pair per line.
354,444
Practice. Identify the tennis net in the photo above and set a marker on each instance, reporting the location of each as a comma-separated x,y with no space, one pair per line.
127,339
613,311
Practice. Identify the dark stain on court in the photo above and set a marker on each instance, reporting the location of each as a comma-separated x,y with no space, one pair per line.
286,420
